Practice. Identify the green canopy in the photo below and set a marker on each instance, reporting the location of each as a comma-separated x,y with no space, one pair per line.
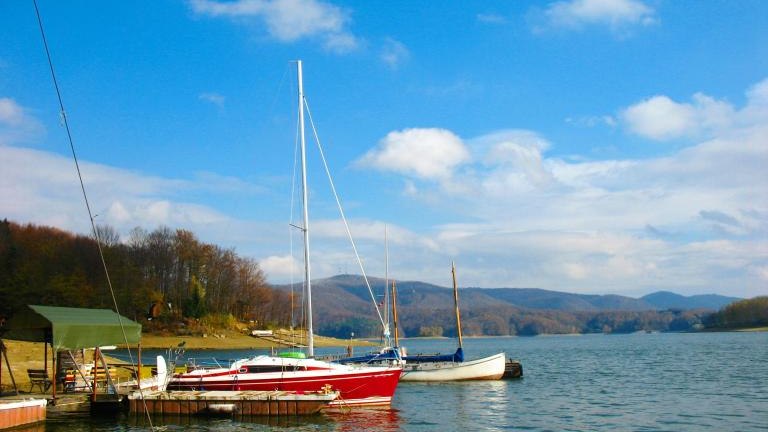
71,328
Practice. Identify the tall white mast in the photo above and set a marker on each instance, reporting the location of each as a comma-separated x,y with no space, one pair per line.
386,287
305,203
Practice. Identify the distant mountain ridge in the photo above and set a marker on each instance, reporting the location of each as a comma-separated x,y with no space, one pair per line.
421,294
670,300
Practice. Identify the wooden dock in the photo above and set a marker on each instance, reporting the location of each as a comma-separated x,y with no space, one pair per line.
239,403
21,412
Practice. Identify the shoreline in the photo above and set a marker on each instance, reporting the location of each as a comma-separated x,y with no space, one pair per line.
234,340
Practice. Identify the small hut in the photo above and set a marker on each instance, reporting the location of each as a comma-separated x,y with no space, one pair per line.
70,329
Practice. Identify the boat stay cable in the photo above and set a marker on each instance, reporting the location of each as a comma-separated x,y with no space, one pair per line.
343,217
87,204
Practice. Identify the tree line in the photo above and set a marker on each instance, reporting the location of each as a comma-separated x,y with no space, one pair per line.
741,314
503,320
166,275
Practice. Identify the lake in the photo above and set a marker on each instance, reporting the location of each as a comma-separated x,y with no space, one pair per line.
635,382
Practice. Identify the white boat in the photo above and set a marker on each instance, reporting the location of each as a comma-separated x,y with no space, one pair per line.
439,367
488,368
452,367
158,382
357,385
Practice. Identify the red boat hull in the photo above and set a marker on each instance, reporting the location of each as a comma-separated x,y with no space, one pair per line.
364,387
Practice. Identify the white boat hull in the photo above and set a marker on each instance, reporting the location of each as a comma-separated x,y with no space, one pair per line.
488,368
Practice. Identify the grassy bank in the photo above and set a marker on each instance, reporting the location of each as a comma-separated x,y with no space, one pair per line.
235,340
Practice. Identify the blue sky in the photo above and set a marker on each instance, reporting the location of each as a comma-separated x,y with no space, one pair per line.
593,146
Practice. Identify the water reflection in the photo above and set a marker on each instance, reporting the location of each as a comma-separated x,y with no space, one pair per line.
235,422
375,420
37,427
352,420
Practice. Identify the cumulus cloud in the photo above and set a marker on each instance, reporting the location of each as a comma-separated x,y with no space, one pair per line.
394,53
427,153
513,161
661,118
616,14
691,221
288,20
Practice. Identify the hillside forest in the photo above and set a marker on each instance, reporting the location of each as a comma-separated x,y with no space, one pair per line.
170,281
160,277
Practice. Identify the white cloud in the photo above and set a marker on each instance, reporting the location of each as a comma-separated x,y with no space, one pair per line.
661,118
592,121
693,221
617,14
213,98
10,112
42,188
393,53
427,153
513,161
288,20
16,125
583,225
282,267
491,18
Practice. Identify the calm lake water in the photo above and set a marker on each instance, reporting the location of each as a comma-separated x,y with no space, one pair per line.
637,382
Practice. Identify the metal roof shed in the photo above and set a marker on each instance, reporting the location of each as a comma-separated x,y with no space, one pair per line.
66,328
71,328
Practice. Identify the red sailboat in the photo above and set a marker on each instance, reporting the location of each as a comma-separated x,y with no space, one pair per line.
358,385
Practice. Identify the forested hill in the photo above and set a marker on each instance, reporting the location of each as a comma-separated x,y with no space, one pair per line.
169,271
669,300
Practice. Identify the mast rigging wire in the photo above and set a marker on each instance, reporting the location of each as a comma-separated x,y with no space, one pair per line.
341,211
87,204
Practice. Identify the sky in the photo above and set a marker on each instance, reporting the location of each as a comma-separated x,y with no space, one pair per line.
588,146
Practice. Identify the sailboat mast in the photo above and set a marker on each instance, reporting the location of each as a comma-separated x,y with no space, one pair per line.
394,314
456,303
386,287
305,203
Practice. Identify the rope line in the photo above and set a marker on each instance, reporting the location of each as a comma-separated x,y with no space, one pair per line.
341,211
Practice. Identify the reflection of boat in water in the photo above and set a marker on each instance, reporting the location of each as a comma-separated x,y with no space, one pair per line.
294,371
438,367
